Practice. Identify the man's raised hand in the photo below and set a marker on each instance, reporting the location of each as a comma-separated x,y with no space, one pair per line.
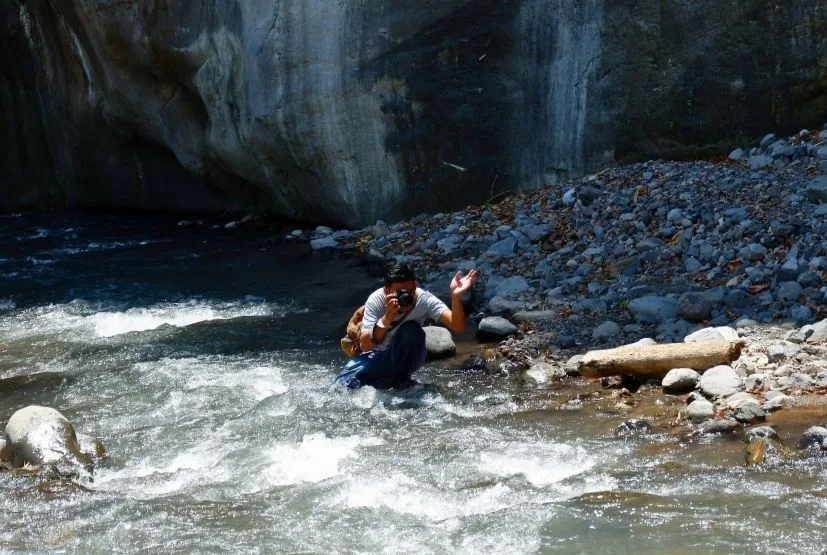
460,284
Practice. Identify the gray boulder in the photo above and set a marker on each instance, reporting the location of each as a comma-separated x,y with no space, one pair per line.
779,401
749,413
495,328
653,309
439,343
782,350
606,330
324,243
511,285
694,306
542,372
815,333
501,305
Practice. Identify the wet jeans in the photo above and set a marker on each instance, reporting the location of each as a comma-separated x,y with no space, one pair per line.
389,368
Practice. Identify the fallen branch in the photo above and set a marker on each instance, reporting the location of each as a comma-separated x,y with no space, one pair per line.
655,361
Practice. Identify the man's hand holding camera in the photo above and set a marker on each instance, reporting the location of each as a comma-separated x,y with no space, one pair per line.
396,303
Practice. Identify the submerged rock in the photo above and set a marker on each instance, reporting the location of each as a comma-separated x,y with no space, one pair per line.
814,438
720,426
760,431
634,427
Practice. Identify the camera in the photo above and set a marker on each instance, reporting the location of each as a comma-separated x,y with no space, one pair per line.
405,298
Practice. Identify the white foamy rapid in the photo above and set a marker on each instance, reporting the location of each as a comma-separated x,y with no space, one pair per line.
86,321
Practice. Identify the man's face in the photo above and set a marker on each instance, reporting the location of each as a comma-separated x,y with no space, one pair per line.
397,286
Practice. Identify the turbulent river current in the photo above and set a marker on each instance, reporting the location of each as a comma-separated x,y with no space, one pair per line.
203,358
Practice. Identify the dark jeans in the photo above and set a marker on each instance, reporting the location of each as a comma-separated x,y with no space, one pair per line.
389,368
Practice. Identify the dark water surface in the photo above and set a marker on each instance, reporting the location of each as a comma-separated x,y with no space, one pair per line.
203,360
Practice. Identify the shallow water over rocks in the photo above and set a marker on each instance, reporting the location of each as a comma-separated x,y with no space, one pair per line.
203,358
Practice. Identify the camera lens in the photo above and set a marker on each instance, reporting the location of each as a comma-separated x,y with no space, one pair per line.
405,298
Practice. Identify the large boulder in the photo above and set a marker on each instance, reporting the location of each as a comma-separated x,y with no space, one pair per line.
346,112
38,436
439,343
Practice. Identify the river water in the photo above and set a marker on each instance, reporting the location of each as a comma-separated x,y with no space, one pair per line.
203,358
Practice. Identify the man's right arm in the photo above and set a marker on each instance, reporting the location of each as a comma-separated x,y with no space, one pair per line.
371,334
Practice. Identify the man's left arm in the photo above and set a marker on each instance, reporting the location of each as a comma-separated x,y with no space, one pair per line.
454,319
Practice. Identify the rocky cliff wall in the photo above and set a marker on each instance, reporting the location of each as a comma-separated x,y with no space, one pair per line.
347,112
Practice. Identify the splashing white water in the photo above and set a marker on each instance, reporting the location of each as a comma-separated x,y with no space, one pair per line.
84,321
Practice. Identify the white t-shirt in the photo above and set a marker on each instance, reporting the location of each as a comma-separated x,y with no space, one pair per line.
427,306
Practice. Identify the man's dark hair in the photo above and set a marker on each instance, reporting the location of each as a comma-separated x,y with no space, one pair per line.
399,273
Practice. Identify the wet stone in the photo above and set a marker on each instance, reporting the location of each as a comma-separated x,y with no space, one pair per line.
765,432
475,363
700,410
749,413
720,426
813,439
631,428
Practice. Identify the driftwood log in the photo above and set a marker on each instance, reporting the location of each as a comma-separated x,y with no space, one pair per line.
655,361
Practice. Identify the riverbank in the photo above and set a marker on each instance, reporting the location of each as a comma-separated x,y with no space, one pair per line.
725,249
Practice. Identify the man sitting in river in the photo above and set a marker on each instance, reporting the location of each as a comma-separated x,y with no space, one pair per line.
391,339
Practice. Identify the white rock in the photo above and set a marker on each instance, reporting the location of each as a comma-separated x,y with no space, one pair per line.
720,381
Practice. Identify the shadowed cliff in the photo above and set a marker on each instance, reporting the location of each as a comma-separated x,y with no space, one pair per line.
345,113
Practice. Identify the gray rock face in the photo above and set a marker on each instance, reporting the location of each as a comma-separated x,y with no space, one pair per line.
438,342
42,436
342,112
